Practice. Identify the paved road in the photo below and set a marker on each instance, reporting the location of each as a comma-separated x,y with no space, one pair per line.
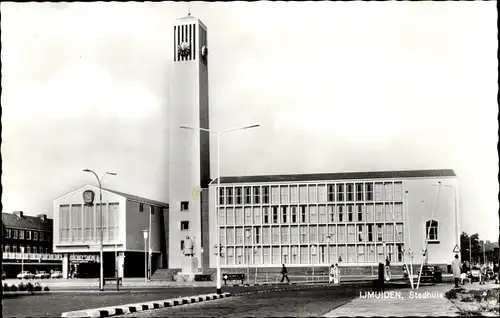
296,301
54,304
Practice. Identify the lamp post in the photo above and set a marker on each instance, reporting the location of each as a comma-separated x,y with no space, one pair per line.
219,134
149,243
145,233
22,259
101,276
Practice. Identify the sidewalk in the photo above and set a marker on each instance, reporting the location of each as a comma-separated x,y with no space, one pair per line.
426,301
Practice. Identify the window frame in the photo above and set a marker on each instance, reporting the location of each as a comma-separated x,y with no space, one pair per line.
184,225
428,231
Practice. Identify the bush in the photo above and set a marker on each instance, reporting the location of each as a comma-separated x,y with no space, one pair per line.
21,287
6,287
30,287
13,288
46,288
38,288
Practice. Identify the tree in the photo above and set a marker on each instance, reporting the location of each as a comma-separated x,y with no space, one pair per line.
465,247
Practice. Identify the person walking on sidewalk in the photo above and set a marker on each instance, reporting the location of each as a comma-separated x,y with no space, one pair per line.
284,274
455,266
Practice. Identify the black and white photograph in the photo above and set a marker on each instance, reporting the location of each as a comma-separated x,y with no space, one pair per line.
250,159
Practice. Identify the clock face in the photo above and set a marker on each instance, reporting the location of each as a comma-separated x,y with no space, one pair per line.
184,49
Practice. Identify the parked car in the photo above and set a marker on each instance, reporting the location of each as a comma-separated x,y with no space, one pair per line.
25,275
474,273
431,273
56,274
42,275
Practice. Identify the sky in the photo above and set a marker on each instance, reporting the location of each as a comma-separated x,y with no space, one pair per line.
335,86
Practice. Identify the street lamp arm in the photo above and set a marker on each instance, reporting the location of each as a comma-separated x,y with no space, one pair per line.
95,174
198,128
240,128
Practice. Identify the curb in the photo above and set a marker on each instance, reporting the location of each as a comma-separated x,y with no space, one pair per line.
132,308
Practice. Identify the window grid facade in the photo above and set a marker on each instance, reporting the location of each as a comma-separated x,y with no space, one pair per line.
351,222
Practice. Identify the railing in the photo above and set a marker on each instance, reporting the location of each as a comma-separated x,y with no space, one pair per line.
31,256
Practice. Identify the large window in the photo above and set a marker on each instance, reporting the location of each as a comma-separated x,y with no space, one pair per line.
266,235
360,210
351,254
256,215
303,234
248,195
222,216
275,235
361,253
265,198
275,215
369,213
303,214
238,216
89,220
35,236
256,236
340,213
238,195
265,213
295,234
114,220
284,195
350,233
379,189
379,233
284,214
275,195
370,232
431,230
350,192
9,233
313,234
256,195
230,236
359,192
294,194
340,193
388,191
341,234
229,195
230,216
369,191
294,218
64,219
313,214
248,215
331,213
322,214
331,192
379,212
221,196
361,233
350,213
313,198
21,234
28,235
239,236
284,235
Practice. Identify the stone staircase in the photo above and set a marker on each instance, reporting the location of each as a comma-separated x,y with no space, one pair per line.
165,274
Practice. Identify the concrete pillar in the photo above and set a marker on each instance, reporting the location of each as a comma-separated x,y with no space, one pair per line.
65,266
121,263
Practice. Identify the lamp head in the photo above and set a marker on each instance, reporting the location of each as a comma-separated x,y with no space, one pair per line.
86,170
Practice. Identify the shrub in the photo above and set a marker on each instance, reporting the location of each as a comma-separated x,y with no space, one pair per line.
21,287
30,287
38,288
6,287
46,288
13,288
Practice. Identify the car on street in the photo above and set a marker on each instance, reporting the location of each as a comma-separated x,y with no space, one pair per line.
474,273
25,275
56,274
431,273
42,275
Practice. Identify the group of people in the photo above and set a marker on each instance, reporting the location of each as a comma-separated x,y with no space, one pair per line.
461,272
334,275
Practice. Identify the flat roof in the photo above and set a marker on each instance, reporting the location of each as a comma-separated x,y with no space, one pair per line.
339,176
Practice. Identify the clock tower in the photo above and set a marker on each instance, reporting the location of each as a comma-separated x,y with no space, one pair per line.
189,149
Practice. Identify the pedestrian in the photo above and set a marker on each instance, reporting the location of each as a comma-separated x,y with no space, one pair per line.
284,274
387,269
336,274
496,272
332,273
455,266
